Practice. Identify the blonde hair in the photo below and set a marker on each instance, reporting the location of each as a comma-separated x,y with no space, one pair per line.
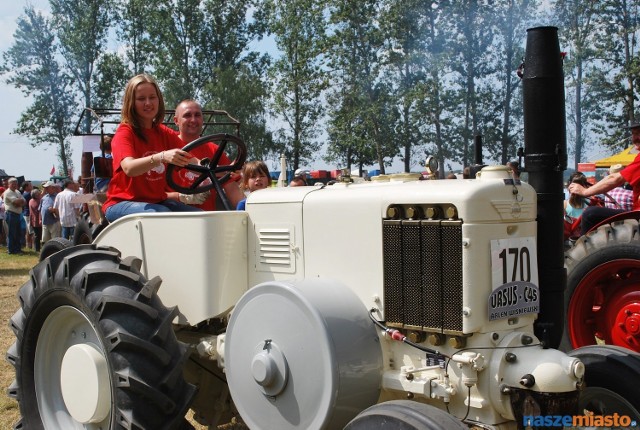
129,115
252,169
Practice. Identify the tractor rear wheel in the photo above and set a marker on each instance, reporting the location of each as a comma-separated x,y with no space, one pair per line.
612,377
602,299
404,415
95,348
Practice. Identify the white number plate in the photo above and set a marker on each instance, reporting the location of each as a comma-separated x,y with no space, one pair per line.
514,278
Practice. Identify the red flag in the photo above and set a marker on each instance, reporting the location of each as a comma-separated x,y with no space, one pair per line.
53,169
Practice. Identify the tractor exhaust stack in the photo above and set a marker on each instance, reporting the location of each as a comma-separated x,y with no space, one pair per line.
546,160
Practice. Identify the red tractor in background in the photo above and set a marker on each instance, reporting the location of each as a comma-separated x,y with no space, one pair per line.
602,298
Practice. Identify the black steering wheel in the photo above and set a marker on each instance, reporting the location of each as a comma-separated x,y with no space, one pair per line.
208,167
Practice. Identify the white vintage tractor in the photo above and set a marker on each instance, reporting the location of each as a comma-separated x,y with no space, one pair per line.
404,304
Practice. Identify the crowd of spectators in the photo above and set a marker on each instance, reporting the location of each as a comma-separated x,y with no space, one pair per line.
30,216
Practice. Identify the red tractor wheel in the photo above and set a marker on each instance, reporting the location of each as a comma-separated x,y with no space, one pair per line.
602,299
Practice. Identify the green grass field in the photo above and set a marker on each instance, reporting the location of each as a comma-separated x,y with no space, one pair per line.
14,271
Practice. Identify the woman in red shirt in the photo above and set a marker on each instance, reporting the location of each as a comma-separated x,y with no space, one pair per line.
141,147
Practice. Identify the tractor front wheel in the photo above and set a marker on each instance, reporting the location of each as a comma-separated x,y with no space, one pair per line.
82,234
95,348
54,245
404,415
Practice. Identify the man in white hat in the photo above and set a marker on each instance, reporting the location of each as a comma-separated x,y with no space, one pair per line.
593,215
299,178
50,223
620,197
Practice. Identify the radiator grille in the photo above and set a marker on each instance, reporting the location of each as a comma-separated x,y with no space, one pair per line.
423,274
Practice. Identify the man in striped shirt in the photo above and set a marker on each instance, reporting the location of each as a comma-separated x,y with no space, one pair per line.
620,197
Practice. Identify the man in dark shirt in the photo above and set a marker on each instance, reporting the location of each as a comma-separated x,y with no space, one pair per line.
26,188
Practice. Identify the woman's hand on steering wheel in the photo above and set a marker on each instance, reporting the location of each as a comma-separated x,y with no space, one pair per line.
208,167
178,157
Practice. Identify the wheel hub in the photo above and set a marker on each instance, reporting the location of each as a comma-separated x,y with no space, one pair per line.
627,324
269,368
605,306
84,382
71,383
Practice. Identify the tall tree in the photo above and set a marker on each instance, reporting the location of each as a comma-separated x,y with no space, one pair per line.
31,65
134,20
438,104
403,23
242,93
298,75
347,135
203,52
614,80
473,23
230,27
82,28
179,39
235,74
110,79
196,40
577,18
512,19
362,115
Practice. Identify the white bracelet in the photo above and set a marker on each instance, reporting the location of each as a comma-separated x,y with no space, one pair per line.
162,157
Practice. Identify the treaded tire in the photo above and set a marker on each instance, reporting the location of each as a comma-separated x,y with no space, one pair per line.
612,377
96,229
82,234
122,318
54,245
404,415
602,295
